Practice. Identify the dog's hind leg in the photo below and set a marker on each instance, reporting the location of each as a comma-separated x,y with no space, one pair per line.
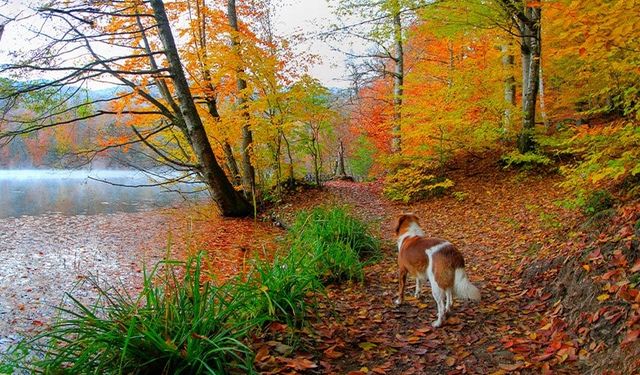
417,292
449,304
402,279
439,296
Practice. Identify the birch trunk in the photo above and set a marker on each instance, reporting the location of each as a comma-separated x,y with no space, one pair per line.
526,140
248,172
228,200
508,64
398,80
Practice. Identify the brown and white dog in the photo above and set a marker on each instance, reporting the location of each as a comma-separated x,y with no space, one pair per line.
433,259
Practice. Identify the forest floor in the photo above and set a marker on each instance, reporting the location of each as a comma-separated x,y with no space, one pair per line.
502,222
514,235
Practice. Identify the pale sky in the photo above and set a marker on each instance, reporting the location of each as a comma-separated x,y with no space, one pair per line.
313,16
292,17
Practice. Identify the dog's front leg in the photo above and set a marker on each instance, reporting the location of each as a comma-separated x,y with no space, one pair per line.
417,291
402,278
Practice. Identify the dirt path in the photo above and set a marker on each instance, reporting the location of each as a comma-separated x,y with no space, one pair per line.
497,221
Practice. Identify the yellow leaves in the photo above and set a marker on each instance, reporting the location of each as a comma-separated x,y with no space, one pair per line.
367,346
414,183
603,297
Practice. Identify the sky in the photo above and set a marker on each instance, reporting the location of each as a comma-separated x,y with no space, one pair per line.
313,16
292,17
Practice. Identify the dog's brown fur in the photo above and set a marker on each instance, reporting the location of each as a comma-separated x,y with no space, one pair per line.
415,251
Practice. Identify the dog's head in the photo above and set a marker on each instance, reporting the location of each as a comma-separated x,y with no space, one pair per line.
405,221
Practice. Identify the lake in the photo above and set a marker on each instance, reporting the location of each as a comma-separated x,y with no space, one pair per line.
74,192
59,226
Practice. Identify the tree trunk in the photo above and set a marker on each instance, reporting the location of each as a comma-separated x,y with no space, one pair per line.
316,156
340,169
291,177
228,200
398,80
525,51
526,140
508,63
248,172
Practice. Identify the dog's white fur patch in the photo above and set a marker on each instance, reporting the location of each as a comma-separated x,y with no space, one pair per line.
438,294
414,230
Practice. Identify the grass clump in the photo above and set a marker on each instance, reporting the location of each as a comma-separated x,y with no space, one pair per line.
336,241
281,290
177,325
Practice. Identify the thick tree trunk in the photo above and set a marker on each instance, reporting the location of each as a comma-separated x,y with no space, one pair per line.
248,172
508,64
526,140
228,200
398,80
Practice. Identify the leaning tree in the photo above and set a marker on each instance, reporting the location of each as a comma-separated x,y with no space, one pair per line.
130,44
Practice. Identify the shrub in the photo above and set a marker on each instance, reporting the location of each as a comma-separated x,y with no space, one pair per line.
611,155
526,161
413,183
179,325
597,201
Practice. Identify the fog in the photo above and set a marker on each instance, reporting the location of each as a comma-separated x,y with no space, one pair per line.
75,192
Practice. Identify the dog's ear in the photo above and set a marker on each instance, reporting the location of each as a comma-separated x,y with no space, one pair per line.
416,219
401,220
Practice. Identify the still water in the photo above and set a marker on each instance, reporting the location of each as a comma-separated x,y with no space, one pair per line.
73,192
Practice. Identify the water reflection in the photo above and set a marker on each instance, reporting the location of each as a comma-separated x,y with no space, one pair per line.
35,192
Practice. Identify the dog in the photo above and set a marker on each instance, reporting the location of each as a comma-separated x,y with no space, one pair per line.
434,259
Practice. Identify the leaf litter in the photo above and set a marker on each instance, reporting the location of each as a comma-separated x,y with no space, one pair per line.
516,240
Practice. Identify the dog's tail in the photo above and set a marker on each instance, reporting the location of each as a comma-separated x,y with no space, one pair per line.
463,288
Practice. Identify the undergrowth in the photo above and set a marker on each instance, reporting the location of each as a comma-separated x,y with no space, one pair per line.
415,182
526,161
183,323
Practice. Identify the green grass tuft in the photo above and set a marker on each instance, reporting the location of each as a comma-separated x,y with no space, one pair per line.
176,325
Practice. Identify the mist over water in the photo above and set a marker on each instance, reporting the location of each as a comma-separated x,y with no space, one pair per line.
73,192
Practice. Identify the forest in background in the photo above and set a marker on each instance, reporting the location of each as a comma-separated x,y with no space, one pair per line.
536,82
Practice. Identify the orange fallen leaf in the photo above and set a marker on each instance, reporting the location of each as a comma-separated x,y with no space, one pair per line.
300,364
332,353
630,337
510,367
450,361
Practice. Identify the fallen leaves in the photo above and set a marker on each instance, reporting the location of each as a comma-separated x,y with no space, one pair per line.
630,337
